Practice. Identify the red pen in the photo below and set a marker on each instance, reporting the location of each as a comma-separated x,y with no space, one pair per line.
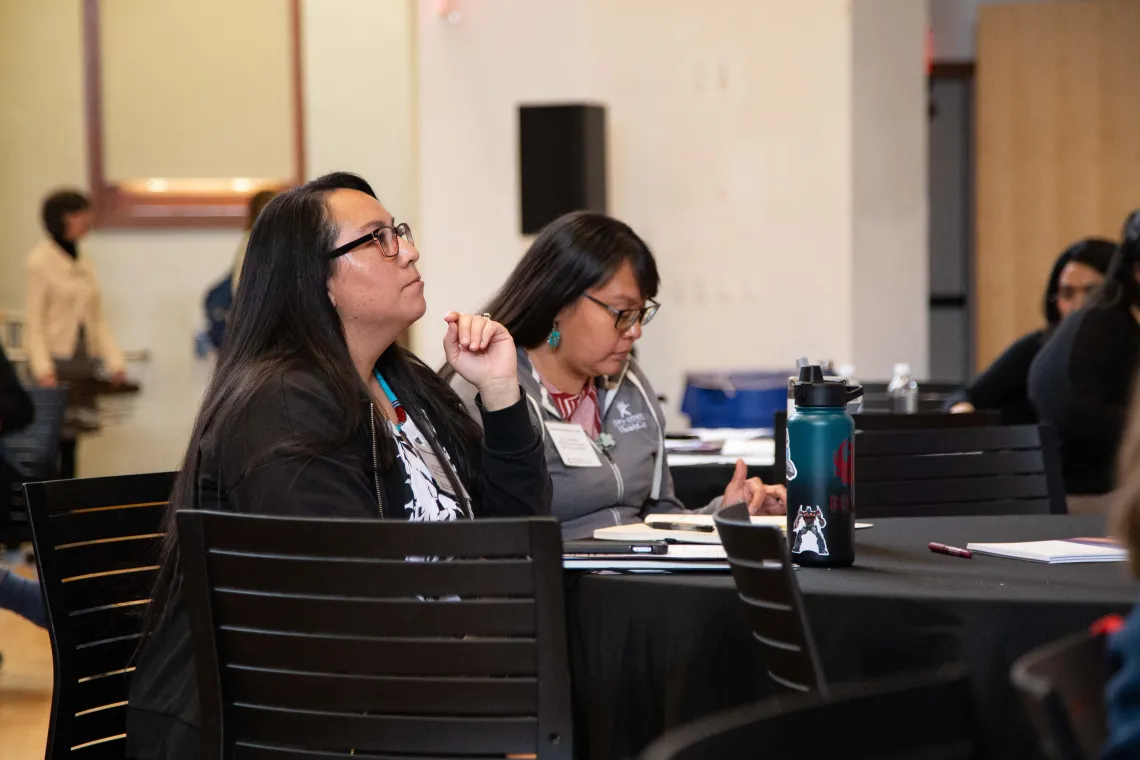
953,551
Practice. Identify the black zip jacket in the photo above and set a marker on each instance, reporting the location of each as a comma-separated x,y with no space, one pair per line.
163,716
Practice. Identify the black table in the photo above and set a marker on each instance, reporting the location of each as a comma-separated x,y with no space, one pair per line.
652,651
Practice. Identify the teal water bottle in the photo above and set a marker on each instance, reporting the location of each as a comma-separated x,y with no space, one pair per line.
821,471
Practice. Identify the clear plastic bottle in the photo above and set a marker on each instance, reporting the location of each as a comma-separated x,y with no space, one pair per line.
903,391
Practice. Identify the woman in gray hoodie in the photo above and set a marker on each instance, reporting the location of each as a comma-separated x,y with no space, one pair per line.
575,305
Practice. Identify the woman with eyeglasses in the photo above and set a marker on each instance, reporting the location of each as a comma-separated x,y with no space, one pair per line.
575,305
1004,386
314,410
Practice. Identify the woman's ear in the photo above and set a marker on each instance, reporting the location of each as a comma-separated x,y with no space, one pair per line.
332,298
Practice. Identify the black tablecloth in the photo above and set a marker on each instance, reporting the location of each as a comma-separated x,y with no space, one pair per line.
652,651
696,485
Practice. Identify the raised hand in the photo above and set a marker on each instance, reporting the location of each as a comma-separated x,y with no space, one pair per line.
482,352
761,499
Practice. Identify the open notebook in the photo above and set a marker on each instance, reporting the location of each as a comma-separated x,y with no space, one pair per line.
1061,552
653,529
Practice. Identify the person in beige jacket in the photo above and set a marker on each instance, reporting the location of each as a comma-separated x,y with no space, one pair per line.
66,334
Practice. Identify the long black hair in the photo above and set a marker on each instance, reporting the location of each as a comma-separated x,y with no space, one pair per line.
1120,289
574,253
1092,252
282,319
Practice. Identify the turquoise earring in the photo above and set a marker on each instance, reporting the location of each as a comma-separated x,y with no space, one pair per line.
554,340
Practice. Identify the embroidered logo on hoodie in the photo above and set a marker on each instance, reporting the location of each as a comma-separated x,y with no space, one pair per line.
626,421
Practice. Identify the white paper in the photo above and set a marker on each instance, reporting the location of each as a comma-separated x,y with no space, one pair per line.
686,459
759,448
644,531
573,445
642,565
730,434
1061,552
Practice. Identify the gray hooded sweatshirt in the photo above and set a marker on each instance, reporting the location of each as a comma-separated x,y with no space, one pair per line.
634,478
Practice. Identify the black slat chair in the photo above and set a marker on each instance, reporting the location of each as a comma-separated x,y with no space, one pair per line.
1013,470
1062,686
919,421
926,717
97,547
33,454
766,584
336,637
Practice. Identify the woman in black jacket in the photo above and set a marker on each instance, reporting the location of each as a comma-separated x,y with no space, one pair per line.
1081,380
315,410
1004,386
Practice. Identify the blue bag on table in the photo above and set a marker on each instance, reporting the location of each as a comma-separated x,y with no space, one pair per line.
735,399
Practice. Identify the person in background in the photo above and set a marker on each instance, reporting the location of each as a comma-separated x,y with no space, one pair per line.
66,334
22,596
257,202
314,410
17,594
576,304
1081,380
219,300
1004,386
16,411
1122,697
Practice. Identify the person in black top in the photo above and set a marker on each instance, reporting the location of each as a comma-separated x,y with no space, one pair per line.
16,413
315,410
19,595
1081,380
1004,386
15,405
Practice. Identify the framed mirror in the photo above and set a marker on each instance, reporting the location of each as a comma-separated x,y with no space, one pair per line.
190,108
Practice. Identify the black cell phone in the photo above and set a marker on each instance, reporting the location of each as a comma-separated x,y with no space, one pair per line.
614,547
682,526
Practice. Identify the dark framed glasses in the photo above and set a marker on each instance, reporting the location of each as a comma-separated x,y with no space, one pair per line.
386,236
1069,292
627,318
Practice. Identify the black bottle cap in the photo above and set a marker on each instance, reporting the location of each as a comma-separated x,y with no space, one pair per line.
811,390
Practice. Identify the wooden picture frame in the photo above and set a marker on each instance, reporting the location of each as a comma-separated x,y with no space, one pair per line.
154,204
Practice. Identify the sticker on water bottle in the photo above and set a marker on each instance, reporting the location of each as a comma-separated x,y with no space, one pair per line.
808,530
790,465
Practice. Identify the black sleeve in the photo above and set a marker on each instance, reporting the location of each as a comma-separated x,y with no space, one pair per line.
294,408
513,481
16,410
1006,381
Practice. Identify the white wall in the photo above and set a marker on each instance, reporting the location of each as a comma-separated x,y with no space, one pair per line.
153,281
41,136
891,247
730,129
360,113
471,76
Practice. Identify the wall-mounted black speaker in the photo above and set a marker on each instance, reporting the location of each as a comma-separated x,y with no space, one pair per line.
562,162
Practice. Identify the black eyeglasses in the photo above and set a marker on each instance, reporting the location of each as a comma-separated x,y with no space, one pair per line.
385,236
1069,292
627,318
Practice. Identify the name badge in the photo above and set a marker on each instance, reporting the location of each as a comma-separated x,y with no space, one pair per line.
573,445
439,470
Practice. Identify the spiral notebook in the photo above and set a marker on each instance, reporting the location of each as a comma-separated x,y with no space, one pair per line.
1060,552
